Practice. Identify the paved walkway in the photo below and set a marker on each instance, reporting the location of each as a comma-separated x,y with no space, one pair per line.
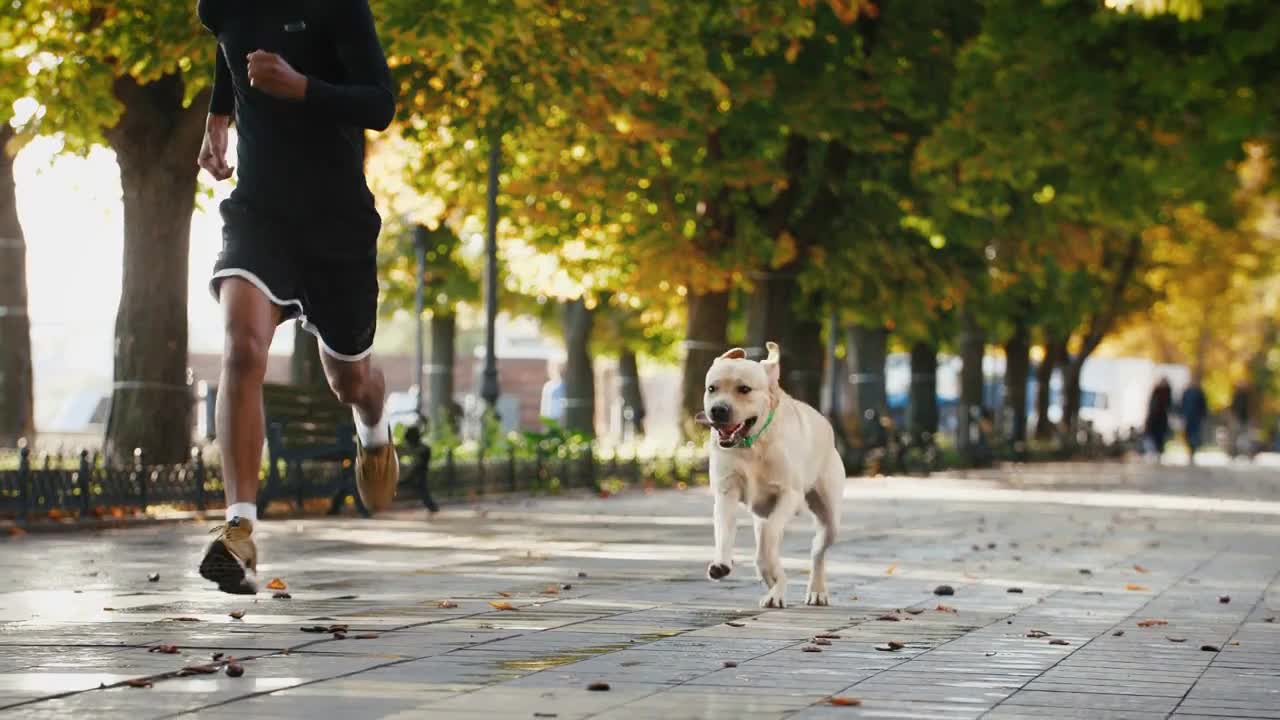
1055,570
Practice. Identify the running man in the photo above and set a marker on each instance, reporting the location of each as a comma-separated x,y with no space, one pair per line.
304,79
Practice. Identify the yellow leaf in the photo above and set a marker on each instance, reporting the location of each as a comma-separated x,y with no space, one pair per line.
844,701
891,569
502,605
1141,569
276,584
1135,587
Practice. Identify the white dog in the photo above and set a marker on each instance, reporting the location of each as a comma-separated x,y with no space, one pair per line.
774,454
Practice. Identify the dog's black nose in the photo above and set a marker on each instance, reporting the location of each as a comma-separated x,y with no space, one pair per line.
719,413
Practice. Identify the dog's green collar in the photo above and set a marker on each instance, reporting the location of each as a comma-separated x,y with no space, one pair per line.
750,440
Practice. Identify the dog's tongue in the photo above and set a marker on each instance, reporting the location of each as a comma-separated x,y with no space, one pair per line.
727,432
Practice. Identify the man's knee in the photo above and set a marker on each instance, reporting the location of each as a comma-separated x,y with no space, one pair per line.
244,356
349,384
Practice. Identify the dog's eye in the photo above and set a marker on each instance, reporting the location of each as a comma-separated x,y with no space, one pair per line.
711,389
744,389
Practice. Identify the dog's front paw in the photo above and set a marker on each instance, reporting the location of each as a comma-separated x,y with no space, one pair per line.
718,571
818,598
775,598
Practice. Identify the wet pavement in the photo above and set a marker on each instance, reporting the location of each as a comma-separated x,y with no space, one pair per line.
1080,591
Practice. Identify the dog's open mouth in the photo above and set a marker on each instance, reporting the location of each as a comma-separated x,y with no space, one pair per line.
729,435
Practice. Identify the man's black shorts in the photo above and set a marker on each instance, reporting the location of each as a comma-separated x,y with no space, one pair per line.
324,275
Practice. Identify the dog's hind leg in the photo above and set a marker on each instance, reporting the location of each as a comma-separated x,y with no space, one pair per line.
824,502
769,532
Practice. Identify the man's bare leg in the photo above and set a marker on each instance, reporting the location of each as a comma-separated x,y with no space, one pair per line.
361,385
250,320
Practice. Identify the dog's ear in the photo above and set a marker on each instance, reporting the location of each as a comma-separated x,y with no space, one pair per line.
734,354
772,363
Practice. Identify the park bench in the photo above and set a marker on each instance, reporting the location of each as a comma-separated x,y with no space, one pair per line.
312,427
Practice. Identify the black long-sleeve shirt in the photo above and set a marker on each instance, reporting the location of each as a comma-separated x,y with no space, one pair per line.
303,160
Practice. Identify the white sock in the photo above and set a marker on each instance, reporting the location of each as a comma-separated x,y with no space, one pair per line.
248,511
371,437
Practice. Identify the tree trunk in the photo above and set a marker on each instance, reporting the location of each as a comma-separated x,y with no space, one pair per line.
923,415
1017,370
444,334
706,337
1054,349
579,375
156,142
17,393
630,392
1071,396
305,369
973,343
772,316
868,350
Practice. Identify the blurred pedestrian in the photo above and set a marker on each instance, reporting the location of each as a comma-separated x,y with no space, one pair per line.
1194,409
1158,417
1240,439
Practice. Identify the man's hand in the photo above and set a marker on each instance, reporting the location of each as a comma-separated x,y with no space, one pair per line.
269,73
213,151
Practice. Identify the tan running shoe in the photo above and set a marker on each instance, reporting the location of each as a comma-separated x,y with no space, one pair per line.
231,560
377,475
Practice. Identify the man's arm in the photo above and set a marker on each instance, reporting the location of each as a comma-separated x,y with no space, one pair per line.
223,99
365,100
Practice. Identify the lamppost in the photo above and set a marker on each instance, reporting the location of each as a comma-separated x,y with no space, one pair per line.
421,236
489,381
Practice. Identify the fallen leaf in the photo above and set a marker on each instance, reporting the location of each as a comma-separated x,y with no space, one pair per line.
1014,590
1210,648
164,649
16,532
990,654
889,617
217,656
914,611
1224,599
338,628
181,619
551,590
1141,569
581,574
566,586
945,608
895,645
138,683
1085,571
236,614
828,636
1037,633
944,590
1269,619
1235,643
598,686
504,594
545,715
1173,639
200,669
282,596
502,605
891,569
736,624
1058,641
1151,622
730,664
447,605
821,641
887,647
1135,587
810,648
844,701
153,577
315,629
277,584
1118,633
234,670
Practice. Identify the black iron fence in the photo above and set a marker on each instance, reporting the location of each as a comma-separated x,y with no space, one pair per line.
36,485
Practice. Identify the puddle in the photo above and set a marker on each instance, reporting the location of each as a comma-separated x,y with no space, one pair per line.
550,661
